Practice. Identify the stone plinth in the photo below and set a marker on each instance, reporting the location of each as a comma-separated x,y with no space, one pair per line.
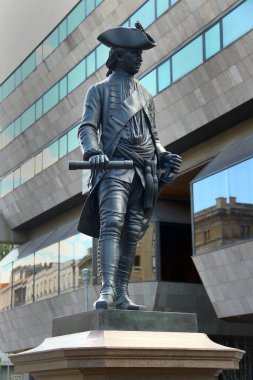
127,355
125,320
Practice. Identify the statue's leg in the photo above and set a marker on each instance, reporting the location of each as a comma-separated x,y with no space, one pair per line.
112,195
136,223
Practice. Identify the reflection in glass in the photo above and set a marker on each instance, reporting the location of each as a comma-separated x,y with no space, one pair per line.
22,274
90,63
50,43
237,22
102,54
72,138
89,6
5,287
144,268
164,77
76,76
28,118
146,14
75,254
186,59
50,154
62,30
149,81
46,272
75,17
63,146
50,99
7,184
212,41
223,207
63,88
38,109
28,66
162,6
16,178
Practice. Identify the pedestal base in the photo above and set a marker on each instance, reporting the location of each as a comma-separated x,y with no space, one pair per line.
127,355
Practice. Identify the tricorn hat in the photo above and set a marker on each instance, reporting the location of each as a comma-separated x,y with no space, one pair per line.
133,38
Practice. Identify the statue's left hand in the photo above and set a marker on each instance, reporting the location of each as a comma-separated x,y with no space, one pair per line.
171,161
99,162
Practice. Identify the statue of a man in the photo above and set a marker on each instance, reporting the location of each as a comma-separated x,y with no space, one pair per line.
118,123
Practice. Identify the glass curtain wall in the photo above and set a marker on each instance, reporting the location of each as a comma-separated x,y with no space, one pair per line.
223,208
57,269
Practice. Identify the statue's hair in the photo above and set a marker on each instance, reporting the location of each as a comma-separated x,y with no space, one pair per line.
112,61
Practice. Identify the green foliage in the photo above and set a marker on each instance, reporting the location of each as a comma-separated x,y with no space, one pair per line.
4,249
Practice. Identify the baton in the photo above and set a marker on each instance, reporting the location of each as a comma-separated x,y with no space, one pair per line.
75,165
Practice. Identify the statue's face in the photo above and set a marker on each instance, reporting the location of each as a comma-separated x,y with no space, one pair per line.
130,61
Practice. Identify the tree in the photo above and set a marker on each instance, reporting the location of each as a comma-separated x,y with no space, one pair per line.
5,249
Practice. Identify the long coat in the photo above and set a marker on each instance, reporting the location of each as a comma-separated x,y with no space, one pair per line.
100,131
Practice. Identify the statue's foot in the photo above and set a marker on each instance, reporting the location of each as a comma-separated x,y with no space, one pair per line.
106,299
123,302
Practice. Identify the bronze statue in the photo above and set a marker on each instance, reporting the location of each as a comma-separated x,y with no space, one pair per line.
118,123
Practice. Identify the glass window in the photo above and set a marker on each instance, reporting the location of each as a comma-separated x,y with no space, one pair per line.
237,22
63,146
62,30
28,118
5,287
89,5
172,2
164,77
90,63
76,76
8,86
63,88
23,277
50,43
50,99
73,142
75,254
39,55
50,155
212,41
28,66
38,163
149,81
18,76
7,135
146,14
16,178
46,272
7,184
27,170
223,207
75,17
17,127
162,6
102,52
144,268
38,108
1,93
187,58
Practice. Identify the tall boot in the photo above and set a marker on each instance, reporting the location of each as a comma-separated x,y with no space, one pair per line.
108,262
125,267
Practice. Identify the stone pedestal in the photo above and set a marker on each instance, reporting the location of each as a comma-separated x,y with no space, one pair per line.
103,353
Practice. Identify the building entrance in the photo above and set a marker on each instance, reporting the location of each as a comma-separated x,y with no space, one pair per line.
176,251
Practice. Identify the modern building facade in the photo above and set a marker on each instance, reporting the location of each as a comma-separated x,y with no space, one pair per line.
197,255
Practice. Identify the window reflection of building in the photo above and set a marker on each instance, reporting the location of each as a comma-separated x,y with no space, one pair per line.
144,268
223,224
223,207
46,273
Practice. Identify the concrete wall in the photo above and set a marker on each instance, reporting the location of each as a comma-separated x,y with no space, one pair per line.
227,275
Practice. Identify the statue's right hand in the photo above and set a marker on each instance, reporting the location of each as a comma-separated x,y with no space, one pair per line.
99,162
